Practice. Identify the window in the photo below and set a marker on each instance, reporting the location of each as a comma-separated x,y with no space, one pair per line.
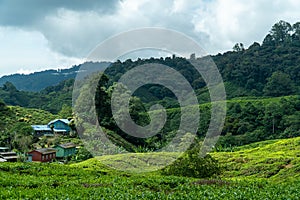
43,158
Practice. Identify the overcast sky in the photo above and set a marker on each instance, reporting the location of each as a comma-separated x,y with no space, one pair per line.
37,35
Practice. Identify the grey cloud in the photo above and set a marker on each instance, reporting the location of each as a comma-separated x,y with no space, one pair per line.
74,28
26,13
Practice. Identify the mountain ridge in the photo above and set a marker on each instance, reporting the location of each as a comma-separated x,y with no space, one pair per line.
37,81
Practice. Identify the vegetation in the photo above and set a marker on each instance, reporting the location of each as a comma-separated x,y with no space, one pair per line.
267,69
277,160
51,99
191,164
93,180
256,157
15,126
38,81
247,121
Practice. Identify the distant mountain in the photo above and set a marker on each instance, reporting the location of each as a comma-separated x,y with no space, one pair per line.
38,81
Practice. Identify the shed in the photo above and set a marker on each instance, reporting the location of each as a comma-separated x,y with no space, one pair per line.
64,150
43,155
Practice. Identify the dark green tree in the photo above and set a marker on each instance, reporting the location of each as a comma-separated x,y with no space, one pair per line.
238,47
281,32
279,84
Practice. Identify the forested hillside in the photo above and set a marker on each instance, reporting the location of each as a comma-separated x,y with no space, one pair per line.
38,81
268,69
50,99
15,125
252,77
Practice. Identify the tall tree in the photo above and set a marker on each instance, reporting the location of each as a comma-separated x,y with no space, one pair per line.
281,32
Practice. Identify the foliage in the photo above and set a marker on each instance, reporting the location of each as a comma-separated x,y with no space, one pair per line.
82,154
279,84
274,159
50,99
250,121
39,80
192,164
66,112
93,180
246,72
15,125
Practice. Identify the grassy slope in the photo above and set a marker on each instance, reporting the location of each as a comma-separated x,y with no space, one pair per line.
244,100
15,114
131,162
276,159
263,170
93,180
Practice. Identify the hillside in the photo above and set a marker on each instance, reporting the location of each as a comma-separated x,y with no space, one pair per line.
38,81
264,170
51,99
277,160
269,69
15,123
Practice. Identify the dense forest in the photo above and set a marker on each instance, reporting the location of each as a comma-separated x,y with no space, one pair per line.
39,80
269,69
254,79
261,82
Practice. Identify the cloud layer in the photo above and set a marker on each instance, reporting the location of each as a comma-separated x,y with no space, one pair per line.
51,34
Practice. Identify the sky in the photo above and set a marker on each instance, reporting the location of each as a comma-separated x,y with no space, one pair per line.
36,35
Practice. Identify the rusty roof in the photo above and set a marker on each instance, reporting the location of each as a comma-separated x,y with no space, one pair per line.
67,145
45,150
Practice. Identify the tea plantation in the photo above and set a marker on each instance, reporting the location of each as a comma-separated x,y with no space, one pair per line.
265,170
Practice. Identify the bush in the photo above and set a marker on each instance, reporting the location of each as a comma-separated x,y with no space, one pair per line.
191,164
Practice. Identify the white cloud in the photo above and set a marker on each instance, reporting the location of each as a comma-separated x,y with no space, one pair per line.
230,21
27,51
67,33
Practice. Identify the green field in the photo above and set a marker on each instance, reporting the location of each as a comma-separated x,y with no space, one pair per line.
265,170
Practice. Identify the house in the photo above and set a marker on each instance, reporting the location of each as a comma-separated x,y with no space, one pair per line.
64,150
9,156
42,155
42,130
60,126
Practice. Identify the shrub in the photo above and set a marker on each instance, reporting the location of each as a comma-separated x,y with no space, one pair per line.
191,164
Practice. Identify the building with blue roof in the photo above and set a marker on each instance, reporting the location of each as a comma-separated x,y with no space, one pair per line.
60,126
41,130
57,126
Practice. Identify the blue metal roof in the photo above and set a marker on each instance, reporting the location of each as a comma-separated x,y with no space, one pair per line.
41,127
65,121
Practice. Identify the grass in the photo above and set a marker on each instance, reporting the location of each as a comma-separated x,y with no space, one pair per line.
14,114
263,170
31,115
139,162
54,181
278,160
